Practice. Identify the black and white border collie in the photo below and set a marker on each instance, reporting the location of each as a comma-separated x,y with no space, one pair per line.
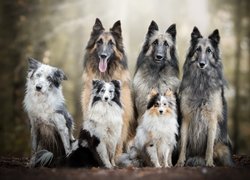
103,127
51,124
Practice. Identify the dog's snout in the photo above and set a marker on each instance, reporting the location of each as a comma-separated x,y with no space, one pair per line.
159,57
38,87
103,56
202,64
160,111
106,98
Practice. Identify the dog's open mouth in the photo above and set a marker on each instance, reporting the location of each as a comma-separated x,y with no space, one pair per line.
103,64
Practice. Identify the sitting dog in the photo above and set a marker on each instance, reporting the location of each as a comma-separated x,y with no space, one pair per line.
51,124
102,130
204,137
156,134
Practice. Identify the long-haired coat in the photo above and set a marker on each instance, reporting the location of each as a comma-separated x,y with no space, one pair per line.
204,137
157,65
51,124
156,133
102,129
105,59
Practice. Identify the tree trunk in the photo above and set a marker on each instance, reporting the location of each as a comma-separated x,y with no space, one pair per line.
238,24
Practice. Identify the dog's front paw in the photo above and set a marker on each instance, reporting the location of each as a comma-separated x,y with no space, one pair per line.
180,162
210,163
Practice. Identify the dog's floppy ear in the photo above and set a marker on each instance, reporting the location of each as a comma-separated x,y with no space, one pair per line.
215,36
33,64
152,28
168,93
58,77
195,34
152,93
117,83
172,31
98,26
116,29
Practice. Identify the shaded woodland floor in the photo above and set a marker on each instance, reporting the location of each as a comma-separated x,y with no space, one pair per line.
16,168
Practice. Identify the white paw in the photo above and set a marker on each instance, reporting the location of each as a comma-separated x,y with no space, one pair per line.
210,162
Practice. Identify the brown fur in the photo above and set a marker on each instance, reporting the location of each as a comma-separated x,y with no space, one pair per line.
116,71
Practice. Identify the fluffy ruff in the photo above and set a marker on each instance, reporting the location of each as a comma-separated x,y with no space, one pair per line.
204,137
51,124
156,134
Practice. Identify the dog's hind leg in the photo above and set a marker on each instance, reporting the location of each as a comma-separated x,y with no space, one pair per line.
212,127
223,155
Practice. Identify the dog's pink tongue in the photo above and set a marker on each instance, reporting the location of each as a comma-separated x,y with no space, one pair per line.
103,65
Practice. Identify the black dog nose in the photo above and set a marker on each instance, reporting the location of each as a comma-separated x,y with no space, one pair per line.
38,88
106,98
202,64
103,56
161,111
159,57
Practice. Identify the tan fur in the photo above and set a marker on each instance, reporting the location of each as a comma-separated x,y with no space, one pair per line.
126,100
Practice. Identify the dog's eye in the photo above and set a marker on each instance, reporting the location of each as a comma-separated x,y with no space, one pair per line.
165,43
99,42
38,75
103,90
155,42
111,43
111,91
198,49
209,50
157,104
165,104
49,78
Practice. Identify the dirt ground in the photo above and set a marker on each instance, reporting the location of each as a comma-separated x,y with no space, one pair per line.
16,168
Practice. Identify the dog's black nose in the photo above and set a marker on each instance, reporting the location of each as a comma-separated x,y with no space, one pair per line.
38,88
161,111
103,56
106,98
202,64
159,57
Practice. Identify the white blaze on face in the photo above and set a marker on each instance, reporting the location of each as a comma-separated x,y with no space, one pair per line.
107,92
162,105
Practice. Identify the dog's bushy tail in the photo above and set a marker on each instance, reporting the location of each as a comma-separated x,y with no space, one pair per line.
129,159
195,161
42,158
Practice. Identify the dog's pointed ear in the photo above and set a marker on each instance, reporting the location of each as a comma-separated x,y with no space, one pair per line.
172,31
215,36
152,93
33,64
97,26
117,28
195,34
152,28
117,83
168,93
95,82
60,75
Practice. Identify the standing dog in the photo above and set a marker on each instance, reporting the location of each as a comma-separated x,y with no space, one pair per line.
105,59
157,66
102,129
51,124
204,138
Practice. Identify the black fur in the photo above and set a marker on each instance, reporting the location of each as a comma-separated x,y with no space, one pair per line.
116,98
69,120
153,100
